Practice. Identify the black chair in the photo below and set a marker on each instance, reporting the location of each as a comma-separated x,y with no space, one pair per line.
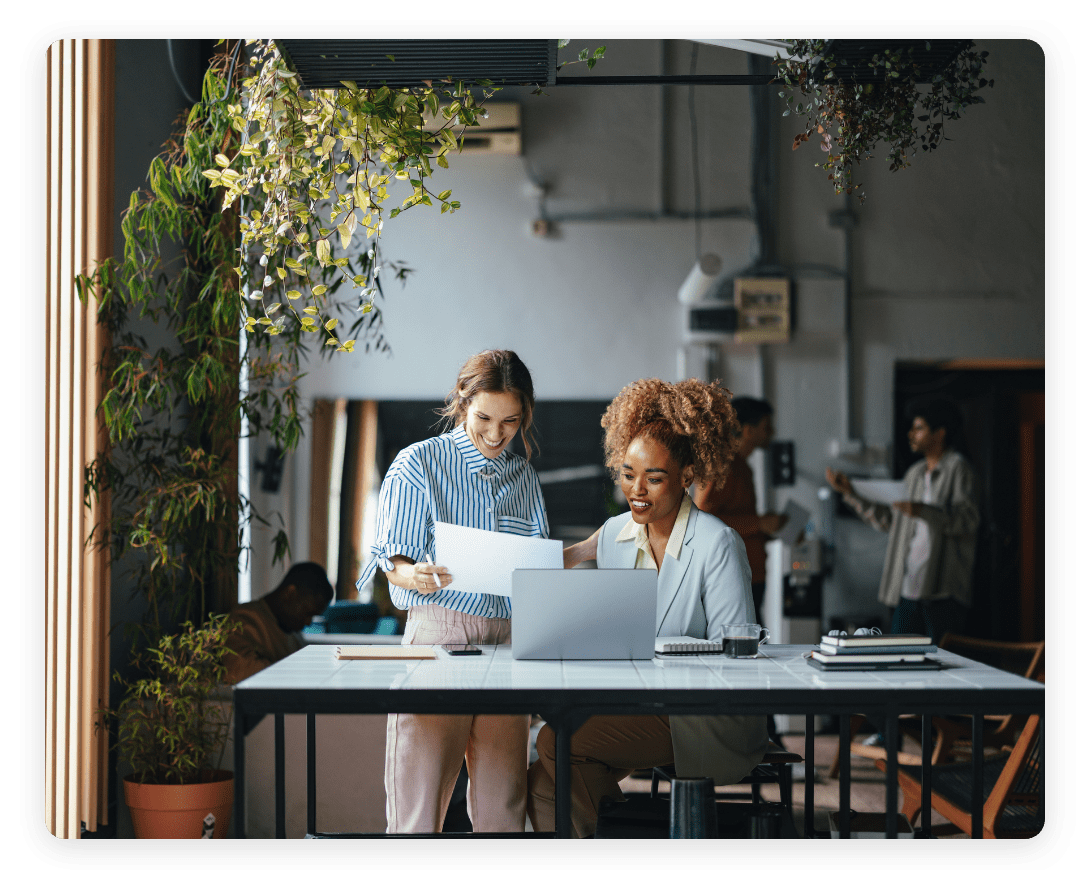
775,767
695,809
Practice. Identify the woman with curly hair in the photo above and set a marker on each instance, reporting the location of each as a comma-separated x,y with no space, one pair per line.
660,438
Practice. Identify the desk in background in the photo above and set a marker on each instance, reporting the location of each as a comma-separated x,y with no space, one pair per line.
566,693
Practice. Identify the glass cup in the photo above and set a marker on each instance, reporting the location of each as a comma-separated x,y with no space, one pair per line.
743,640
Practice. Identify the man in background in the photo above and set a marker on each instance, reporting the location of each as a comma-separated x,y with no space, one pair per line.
271,625
927,577
736,502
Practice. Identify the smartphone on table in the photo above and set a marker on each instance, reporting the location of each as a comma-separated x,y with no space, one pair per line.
461,649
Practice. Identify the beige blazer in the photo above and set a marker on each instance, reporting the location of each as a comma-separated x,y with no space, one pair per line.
706,588
953,517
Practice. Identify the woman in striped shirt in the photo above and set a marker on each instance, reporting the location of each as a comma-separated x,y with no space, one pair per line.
464,477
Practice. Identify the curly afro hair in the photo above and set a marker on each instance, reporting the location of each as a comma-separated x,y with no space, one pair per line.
693,419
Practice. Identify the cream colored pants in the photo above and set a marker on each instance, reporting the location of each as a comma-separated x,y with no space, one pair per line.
424,752
604,750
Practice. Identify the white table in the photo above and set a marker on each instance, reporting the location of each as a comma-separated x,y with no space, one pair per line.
565,694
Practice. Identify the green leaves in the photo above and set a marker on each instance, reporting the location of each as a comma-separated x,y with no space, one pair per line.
168,726
864,115
312,167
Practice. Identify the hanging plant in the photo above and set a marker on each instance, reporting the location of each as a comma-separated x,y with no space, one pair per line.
323,169
852,117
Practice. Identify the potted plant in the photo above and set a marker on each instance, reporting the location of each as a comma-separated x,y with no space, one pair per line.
857,94
172,731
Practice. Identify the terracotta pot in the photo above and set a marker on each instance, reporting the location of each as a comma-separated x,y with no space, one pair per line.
179,811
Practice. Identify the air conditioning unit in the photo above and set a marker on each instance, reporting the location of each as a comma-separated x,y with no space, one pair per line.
710,321
324,64
499,133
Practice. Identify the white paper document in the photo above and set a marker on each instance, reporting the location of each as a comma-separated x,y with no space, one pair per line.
797,517
882,491
481,561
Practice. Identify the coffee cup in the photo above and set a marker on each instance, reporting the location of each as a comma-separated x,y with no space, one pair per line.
743,640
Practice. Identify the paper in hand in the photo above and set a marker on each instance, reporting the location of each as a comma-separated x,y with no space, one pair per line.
882,491
797,517
482,561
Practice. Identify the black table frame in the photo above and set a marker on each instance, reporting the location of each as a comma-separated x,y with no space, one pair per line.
565,710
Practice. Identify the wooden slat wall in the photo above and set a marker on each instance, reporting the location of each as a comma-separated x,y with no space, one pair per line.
79,199
321,467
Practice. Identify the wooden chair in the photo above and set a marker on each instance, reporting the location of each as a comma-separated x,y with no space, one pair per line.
1013,783
951,735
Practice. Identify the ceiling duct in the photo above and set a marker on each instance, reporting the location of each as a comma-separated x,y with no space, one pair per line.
323,64
854,56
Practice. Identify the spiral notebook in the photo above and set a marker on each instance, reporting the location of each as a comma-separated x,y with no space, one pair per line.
687,646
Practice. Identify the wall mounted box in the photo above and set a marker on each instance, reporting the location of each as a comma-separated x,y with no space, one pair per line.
764,310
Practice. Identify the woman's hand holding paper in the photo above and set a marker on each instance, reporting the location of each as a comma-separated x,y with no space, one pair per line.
418,575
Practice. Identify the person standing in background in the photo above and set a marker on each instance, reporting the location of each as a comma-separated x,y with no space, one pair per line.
927,577
736,502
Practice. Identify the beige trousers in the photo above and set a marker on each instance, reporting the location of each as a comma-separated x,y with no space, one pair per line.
424,752
604,750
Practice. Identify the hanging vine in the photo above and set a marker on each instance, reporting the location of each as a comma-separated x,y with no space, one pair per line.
323,169
852,118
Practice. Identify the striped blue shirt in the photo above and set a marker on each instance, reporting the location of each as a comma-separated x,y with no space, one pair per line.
446,479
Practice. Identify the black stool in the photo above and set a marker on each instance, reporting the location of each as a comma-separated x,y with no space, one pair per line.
691,800
775,767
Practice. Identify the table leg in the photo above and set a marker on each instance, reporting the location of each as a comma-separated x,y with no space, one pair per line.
808,792
563,726
278,749
312,808
978,776
892,767
925,775
845,775
562,819
239,806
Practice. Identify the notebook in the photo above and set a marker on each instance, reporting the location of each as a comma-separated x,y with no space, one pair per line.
559,614
380,651
687,646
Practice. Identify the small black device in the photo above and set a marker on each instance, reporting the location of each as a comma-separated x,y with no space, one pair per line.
783,463
461,649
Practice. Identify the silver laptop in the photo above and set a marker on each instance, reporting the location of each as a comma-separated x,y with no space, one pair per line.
583,613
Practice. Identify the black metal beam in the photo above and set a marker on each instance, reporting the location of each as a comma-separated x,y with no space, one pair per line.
681,80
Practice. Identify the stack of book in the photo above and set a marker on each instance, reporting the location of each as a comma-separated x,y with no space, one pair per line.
874,653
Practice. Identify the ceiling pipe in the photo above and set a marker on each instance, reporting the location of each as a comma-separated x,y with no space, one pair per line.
845,219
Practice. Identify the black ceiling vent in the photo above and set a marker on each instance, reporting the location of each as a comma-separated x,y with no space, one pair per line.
931,55
323,64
